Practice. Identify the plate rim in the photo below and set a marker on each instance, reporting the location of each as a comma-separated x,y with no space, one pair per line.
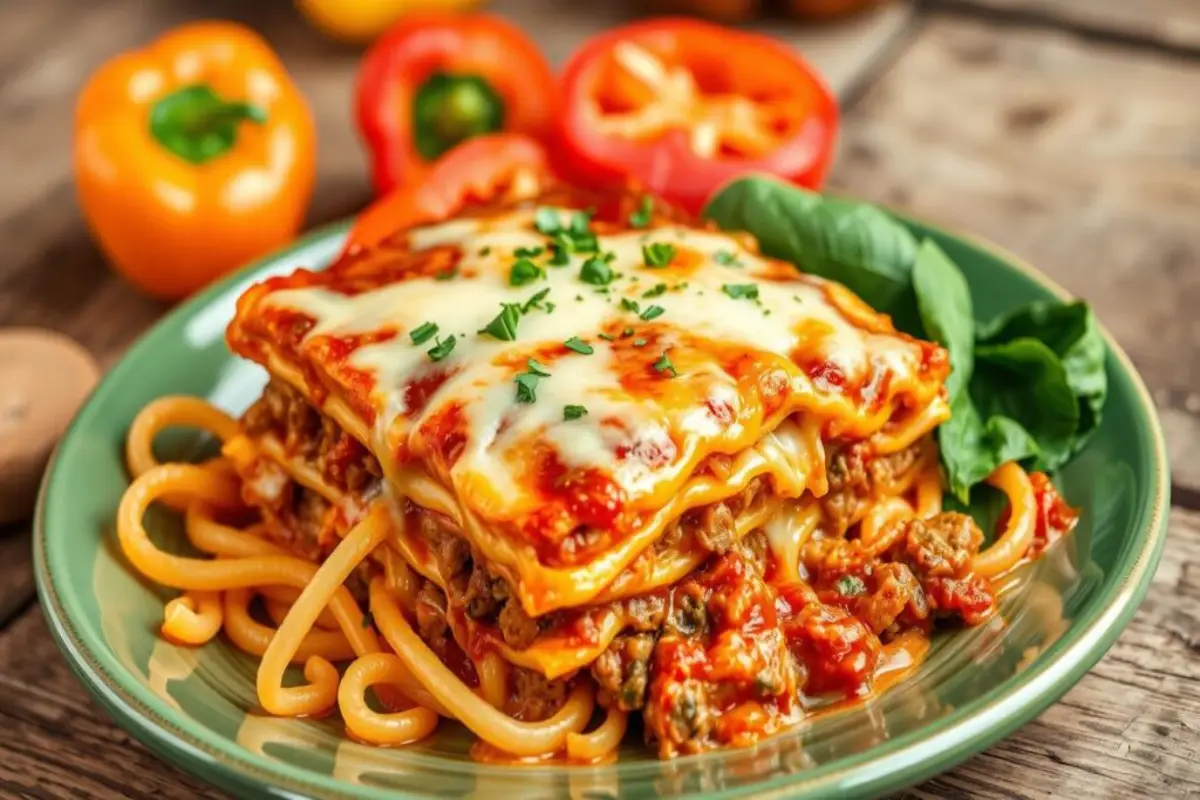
897,763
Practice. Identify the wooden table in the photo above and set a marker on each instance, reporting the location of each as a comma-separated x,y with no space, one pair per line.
1066,130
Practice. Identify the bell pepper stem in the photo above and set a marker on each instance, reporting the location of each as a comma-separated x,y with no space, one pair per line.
198,125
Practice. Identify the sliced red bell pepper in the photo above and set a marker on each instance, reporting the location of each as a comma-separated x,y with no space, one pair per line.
487,169
681,106
433,81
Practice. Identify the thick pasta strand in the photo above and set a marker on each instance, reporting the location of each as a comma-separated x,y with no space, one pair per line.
210,536
889,510
370,726
254,638
600,742
321,693
929,491
1012,544
493,679
193,617
192,573
489,724
278,604
170,412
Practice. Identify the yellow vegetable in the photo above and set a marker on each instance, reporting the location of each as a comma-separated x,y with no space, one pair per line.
363,20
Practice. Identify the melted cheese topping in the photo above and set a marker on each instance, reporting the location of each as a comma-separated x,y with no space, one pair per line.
562,505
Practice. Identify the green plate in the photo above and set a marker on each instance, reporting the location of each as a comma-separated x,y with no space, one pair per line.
195,707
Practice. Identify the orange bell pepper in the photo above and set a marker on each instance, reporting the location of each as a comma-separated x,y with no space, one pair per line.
192,157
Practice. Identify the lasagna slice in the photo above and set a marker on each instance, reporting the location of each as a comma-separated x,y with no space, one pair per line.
576,422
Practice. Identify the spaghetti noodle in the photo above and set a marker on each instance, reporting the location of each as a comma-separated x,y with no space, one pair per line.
724,529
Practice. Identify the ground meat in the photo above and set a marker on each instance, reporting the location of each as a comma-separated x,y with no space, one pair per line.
431,617
755,548
518,628
622,671
532,697
307,433
896,600
645,612
970,597
853,473
942,545
722,673
716,531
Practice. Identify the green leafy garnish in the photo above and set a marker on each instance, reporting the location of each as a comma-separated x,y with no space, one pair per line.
573,412
639,342
579,346
658,290
423,333
528,252
442,348
1029,386
726,258
652,312
664,365
524,271
537,368
741,291
607,337
504,326
527,387
596,272
851,586
641,217
658,254
446,274
548,221
535,301
630,305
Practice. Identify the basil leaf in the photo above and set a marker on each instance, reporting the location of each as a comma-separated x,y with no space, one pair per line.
1070,330
853,243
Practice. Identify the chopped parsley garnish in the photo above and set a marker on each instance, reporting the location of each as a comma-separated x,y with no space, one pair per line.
641,217
368,620
504,326
547,221
581,221
524,271
485,251
526,387
528,252
639,342
561,255
741,291
423,333
573,412
664,365
535,301
630,305
446,274
442,348
550,308
625,334
726,258
527,381
607,337
850,586
658,254
579,346
596,272
653,312
658,290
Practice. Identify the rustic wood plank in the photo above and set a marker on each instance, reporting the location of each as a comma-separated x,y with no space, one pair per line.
1059,151
1128,729
1173,23
16,571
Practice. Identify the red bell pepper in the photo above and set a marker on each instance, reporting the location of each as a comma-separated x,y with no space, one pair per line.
433,81
504,166
681,106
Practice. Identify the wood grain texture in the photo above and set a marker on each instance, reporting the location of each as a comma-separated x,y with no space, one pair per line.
1171,22
1128,729
1076,156
16,571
